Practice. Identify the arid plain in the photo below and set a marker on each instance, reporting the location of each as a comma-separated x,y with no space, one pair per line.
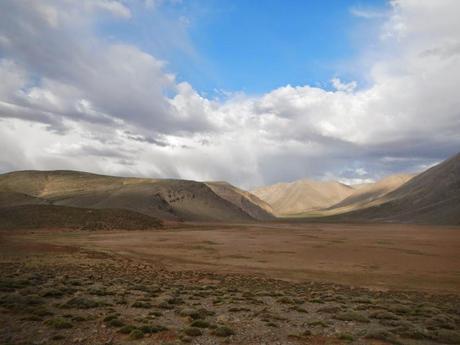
202,283
378,256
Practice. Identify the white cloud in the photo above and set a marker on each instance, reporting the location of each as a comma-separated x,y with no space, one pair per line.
84,103
345,87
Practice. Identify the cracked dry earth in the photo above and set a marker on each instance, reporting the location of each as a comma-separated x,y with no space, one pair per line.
63,295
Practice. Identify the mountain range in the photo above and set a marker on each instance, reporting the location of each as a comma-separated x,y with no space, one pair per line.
167,199
429,197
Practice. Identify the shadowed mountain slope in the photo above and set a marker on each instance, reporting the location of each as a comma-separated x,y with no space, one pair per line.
63,217
371,194
432,197
249,203
163,198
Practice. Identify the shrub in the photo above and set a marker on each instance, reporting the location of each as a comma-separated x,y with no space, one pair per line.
382,335
140,304
136,334
193,331
127,329
152,329
80,303
351,316
448,336
223,331
58,323
115,323
200,324
345,336
384,315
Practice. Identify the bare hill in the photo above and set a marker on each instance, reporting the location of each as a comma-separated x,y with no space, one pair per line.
62,217
16,199
163,198
371,194
249,203
431,197
303,195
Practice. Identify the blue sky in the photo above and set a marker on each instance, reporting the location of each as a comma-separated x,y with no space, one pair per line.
239,45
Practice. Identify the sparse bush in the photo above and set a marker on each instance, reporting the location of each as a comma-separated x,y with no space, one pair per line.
110,317
140,304
136,334
223,331
115,323
318,323
200,324
193,331
285,300
78,318
58,323
351,316
51,293
152,329
329,309
345,336
447,336
127,329
383,315
299,309
382,335
80,303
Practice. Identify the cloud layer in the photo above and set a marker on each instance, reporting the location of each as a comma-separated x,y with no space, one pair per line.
73,99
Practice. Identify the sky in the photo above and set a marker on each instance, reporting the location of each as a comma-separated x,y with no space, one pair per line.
249,92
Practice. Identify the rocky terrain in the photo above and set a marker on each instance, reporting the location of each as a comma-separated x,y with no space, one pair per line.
67,295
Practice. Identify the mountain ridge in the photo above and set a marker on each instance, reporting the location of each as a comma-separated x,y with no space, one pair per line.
170,199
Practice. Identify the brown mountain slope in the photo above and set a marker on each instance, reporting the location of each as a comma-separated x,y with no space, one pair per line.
431,197
371,194
249,203
303,195
162,198
50,216
16,199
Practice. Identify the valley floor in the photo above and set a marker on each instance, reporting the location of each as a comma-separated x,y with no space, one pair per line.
232,284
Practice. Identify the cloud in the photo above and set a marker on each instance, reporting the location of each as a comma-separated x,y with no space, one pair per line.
367,13
85,102
345,87
65,70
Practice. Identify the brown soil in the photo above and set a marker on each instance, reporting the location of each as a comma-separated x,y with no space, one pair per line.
379,256
255,284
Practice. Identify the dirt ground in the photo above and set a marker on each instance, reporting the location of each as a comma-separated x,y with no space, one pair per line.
374,256
232,284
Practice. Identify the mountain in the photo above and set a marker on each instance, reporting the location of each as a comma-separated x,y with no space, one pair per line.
249,203
431,197
302,195
62,217
162,198
370,194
